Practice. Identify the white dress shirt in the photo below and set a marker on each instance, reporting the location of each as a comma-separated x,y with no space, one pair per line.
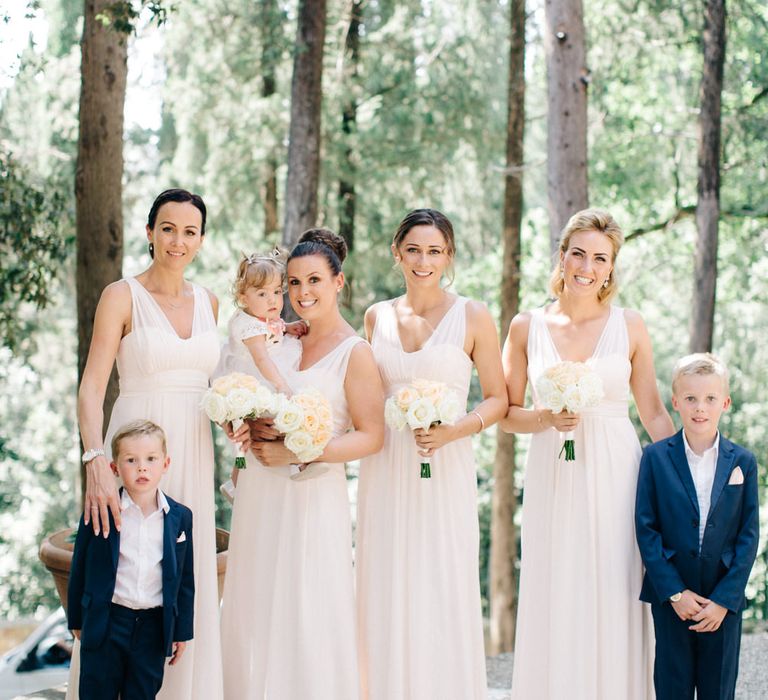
703,472
139,580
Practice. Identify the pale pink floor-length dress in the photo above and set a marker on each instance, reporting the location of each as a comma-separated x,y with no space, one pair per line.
162,378
288,619
419,609
582,633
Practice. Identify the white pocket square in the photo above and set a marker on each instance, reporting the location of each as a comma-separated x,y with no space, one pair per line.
737,477
181,538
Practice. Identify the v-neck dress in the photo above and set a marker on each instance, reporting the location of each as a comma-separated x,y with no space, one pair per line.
582,633
162,378
288,617
418,586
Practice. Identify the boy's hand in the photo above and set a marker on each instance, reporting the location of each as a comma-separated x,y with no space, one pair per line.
178,650
76,633
689,605
710,618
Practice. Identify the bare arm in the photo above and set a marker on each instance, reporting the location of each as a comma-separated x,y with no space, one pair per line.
112,318
653,414
515,363
369,321
214,304
365,399
257,346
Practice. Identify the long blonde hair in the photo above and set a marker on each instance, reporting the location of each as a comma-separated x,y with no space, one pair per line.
583,221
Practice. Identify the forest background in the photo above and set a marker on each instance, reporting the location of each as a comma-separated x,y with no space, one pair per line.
423,103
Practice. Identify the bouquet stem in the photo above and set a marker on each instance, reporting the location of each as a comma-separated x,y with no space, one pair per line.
426,470
569,447
240,459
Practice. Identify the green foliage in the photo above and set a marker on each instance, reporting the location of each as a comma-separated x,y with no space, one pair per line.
32,246
123,16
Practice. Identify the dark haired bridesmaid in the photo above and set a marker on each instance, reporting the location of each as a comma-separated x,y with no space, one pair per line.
420,624
161,330
288,627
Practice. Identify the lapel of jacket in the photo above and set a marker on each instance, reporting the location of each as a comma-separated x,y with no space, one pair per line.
114,542
725,456
680,461
170,528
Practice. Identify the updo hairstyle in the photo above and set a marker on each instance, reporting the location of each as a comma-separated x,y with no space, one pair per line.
583,222
175,195
323,242
426,217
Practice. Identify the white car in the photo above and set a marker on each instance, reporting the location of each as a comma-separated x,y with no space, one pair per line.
41,661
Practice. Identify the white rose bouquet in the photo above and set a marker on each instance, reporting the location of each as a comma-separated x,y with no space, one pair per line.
572,387
235,397
420,405
305,419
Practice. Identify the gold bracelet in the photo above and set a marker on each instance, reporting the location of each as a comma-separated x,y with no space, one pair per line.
482,422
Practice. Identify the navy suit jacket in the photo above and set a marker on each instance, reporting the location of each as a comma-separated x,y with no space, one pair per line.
94,569
667,525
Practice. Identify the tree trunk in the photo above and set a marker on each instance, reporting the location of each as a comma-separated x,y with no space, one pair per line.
304,136
269,22
347,194
502,572
708,189
567,80
98,180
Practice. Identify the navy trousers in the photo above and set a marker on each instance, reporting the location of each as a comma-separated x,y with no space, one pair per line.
707,662
131,661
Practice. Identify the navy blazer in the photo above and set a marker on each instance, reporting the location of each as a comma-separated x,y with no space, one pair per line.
94,569
667,525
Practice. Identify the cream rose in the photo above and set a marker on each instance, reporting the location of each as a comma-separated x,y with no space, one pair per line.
421,414
215,406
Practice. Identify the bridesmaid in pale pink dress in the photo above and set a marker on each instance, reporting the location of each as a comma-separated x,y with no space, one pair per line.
288,620
419,610
582,632
161,330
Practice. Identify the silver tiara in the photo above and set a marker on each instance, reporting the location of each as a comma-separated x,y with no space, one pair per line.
275,255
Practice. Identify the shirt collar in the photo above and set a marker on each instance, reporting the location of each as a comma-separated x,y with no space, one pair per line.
126,501
690,454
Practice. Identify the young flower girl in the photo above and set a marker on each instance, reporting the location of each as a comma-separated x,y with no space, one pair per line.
260,343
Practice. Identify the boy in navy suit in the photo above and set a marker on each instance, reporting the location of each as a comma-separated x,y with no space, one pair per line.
696,519
131,595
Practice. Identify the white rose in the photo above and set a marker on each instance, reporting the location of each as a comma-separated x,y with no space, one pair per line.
449,408
215,406
421,414
239,403
299,442
264,401
549,395
289,417
573,399
393,416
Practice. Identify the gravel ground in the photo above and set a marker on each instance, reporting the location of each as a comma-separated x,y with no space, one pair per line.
752,683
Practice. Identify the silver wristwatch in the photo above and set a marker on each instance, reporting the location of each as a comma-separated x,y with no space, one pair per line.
88,455
674,598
